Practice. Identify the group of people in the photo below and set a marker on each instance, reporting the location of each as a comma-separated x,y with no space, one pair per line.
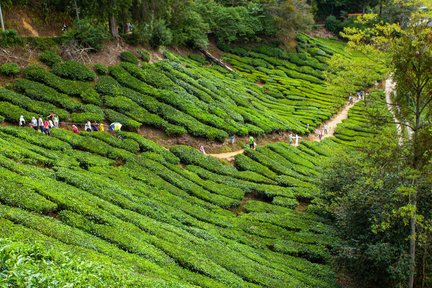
89,127
40,124
323,132
291,139
52,121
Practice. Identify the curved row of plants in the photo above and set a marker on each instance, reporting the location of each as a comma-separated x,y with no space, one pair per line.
184,95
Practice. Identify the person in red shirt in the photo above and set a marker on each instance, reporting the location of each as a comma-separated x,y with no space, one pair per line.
75,129
46,127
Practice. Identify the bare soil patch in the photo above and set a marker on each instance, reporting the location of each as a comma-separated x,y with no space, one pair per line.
30,24
249,197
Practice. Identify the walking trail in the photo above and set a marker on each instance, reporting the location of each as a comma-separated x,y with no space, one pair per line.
331,124
389,89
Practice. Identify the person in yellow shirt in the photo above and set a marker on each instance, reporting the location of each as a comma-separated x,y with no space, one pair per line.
101,127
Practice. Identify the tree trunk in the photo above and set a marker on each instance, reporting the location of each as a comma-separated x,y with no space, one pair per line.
413,236
113,27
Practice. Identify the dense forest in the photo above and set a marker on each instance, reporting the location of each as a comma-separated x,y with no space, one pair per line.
192,22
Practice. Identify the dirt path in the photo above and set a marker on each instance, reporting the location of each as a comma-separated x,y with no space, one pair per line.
228,156
331,124
389,89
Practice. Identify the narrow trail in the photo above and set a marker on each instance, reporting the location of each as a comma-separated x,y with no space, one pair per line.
389,90
331,124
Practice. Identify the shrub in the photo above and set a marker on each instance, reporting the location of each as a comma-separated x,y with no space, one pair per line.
9,69
69,87
114,116
25,102
127,56
9,37
43,43
49,58
198,58
42,92
161,35
101,69
87,35
144,55
86,116
12,112
333,24
106,85
73,70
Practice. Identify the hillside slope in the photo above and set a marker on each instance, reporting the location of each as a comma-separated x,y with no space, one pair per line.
128,208
96,210
276,91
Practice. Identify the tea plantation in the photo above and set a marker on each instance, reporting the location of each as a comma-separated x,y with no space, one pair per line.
98,211
180,95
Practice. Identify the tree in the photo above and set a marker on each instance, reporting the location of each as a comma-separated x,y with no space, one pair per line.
410,60
289,17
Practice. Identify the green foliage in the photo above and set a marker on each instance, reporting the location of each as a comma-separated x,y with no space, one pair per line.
49,58
101,69
233,23
161,35
35,264
87,35
69,87
9,37
10,69
73,70
127,56
41,92
143,54
43,43
333,24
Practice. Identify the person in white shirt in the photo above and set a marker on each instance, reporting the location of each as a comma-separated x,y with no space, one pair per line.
87,127
40,124
34,123
22,121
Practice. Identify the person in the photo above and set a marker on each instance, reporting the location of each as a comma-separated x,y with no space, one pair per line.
202,150
95,126
46,127
307,126
51,124
56,121
296,140
319,134
34,123
101,127
75,129
40,124
251,142
232,139
22,121
115,126
350,98
290,138
64,27
51,116
87,127
325,129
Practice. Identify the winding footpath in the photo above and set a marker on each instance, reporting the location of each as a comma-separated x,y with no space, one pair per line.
331,124
389,90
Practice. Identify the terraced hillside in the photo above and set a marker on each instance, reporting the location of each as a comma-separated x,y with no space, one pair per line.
95,210
137,218
275,91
